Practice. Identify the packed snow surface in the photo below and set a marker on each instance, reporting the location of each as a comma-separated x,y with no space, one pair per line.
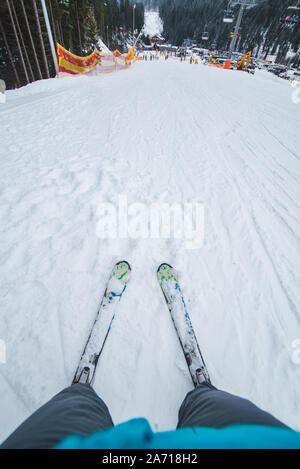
162,131
153,23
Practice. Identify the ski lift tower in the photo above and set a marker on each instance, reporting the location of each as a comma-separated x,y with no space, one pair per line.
243,4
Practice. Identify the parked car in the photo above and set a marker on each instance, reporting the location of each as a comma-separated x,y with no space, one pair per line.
291,75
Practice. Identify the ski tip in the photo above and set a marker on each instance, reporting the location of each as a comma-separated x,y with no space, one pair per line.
122,271
125,264
166,273
164,266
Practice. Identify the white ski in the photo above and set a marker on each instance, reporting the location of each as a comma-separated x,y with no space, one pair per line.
167,278
115,288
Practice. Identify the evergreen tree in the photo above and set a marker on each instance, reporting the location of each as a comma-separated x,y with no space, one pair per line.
90,31
25,53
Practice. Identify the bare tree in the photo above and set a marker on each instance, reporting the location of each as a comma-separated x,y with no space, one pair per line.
61,35
78,25
22,40
53,22
10,54
17,40
41,37
31,40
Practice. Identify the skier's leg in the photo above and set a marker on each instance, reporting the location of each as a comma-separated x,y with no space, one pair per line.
76,409
206,406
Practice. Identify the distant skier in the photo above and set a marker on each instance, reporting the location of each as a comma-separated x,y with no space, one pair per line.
191,60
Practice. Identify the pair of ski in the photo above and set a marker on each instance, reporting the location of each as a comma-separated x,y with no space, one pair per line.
115,288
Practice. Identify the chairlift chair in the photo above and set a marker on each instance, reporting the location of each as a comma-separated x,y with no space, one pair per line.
229,16
291,16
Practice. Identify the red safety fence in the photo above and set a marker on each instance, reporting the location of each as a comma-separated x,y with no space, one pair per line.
96,62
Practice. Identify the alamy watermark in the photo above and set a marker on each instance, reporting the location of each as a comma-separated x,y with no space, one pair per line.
296,352
153,221
2,352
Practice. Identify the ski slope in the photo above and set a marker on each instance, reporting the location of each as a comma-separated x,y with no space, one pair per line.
162,131
153,23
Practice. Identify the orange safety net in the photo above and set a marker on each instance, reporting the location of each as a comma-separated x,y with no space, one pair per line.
225,65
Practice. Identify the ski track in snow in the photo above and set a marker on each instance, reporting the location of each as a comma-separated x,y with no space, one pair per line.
159,132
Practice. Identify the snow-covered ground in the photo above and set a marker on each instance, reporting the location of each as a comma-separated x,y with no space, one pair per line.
153,23
162,131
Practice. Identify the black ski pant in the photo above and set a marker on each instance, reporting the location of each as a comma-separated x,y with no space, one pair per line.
78,409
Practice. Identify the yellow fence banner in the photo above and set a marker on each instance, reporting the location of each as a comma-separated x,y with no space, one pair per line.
96,62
